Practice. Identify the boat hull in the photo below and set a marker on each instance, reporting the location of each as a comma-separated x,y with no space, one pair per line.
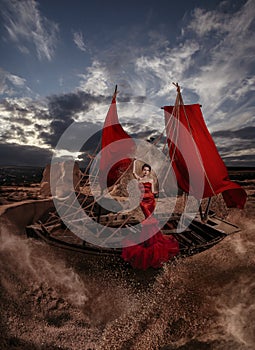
29,217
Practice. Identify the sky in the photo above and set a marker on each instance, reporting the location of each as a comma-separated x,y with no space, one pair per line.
60,61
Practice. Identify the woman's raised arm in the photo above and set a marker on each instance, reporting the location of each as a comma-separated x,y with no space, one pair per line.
134,170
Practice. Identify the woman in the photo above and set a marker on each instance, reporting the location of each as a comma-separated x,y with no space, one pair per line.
147,188
158,248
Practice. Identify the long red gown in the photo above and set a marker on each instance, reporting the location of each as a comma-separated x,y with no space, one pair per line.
157,249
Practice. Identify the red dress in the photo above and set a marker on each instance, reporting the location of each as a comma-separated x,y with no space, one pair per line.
158,248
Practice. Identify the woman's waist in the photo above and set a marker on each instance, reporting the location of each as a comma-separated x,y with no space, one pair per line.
147,195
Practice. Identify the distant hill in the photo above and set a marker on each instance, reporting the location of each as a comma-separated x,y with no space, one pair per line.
20,175
27,175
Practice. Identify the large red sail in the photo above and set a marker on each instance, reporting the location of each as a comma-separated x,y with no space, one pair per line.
116,146
202,155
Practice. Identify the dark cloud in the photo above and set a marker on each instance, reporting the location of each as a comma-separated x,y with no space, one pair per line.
59,113
39,127
6,135
57,128
244,160
90,148
17,132
66,105
237,146
23,121
229,141
246,133
62,110
38,112
145,134
20,133
128,98
19,114
140,131
139,99
12,106
20,155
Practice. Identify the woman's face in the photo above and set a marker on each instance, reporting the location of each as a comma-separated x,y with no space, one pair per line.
146,171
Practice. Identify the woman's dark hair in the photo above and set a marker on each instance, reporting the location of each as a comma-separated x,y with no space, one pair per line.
146,166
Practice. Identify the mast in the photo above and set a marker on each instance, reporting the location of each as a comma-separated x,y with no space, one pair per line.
115,91
101,190
203,215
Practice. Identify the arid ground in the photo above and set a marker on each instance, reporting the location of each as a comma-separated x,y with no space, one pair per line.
55,299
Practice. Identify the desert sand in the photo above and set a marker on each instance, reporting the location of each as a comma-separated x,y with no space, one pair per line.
55,299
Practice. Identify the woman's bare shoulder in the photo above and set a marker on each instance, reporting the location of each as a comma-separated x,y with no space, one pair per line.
146,180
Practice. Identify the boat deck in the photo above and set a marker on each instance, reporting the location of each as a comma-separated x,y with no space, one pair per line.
198,236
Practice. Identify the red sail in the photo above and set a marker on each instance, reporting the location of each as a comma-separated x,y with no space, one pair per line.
116,146
200,156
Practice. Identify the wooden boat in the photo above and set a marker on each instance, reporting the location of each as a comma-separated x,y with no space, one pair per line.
204,229
198,237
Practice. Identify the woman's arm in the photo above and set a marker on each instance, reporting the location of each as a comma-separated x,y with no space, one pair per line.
153,190
134,172
152,186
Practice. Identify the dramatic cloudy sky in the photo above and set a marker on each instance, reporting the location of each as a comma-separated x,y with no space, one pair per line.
60,61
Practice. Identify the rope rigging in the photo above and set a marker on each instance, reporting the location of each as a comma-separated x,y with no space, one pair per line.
88,202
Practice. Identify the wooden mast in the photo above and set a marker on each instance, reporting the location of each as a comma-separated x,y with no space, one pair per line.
179,100
101,190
